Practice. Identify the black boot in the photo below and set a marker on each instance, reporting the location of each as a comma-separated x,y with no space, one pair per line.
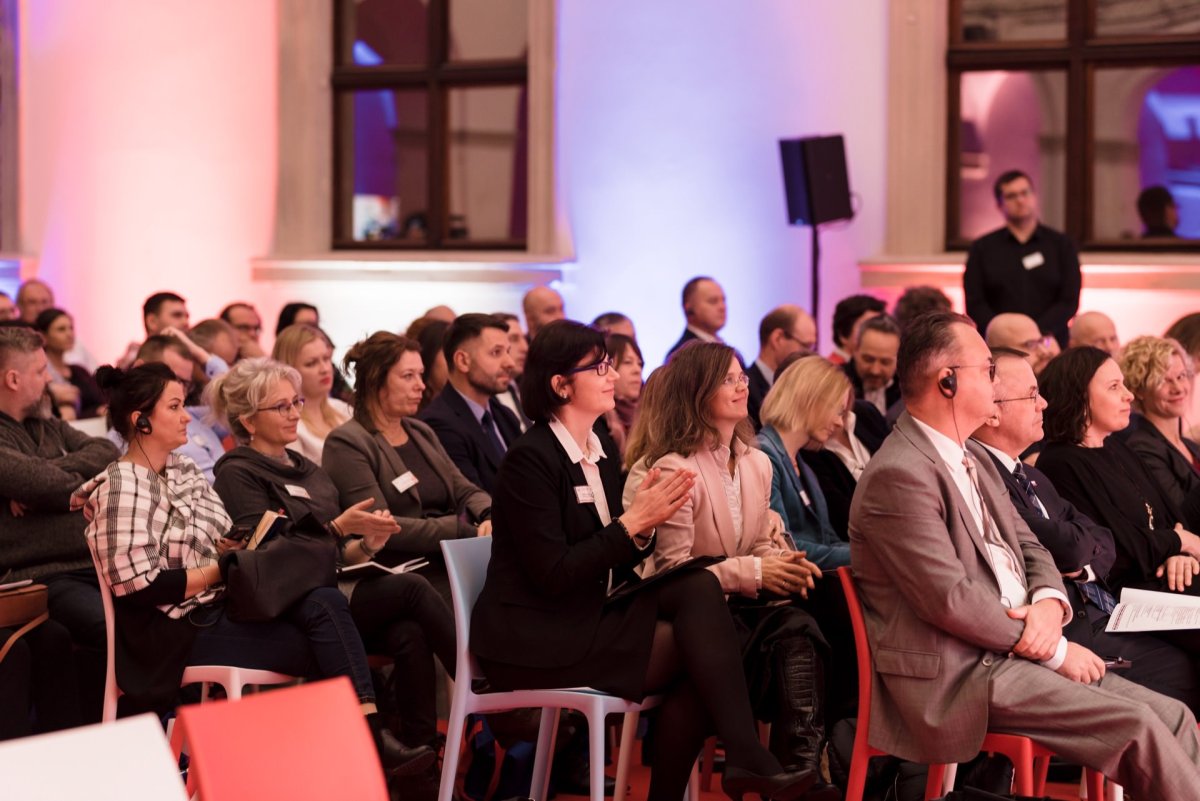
398,759
798,730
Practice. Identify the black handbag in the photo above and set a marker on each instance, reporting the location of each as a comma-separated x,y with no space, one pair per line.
262,584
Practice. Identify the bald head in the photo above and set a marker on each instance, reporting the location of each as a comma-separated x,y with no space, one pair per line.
1020,332
34,297
542,305
443,313
785,330
1096,329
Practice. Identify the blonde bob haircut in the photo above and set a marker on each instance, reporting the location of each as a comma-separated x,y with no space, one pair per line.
242,391
1145,361
808,388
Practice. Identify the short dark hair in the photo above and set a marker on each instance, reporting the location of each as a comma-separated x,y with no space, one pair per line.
1007,178
1152,205
880,324
558,347
152,349
134,390
205,332
465,328
927,339
370,359
782,318
154,303
46,318
847,312
1186,331
689,289
918,300
507,317
287,315
608,319
617,344
1064,385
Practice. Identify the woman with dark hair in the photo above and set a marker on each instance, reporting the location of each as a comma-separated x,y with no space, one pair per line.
1100,474
430,336
297,313
627,361
72,387
562,538
158,528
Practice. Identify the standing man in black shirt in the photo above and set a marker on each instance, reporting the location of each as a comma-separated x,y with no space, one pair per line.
1023,267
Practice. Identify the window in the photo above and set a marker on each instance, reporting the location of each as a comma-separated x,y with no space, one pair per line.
431,124
1097,100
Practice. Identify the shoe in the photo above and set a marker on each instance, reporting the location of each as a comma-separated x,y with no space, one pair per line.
399,760
783,786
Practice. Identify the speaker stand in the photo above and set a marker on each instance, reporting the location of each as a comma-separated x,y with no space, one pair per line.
815,274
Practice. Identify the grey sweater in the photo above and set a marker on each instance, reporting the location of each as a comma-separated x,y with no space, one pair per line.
41,463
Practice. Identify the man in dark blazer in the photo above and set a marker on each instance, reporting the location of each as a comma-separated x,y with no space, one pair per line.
964,608
704,309
872,366
1082,549
785,330
471,423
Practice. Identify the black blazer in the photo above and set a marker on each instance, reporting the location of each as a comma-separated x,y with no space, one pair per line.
836,480
548,576
758,390
463,437
890,395
1170,469
688,336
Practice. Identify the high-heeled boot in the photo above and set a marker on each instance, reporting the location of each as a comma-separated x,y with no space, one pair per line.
396,758
798,729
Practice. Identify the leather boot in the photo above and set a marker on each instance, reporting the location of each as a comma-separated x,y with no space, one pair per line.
798,730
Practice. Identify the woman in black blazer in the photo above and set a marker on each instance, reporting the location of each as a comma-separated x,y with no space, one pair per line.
561,541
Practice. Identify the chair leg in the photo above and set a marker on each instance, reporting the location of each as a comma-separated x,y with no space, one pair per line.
1041,768
935,782
625,752
595,723
707,759
1114,791
1023,769
693,788
539,787
455,727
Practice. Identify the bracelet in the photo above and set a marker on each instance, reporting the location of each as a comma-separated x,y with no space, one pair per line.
336,529
370,554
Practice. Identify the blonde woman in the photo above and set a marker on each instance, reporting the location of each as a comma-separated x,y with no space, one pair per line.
306,348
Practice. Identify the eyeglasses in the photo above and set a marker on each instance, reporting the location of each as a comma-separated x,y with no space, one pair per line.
601,367
285,408
990,366
1030,344
249,328
808,346
741,379
1033,396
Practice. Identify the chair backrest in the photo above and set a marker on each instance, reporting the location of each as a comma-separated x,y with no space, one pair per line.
863,649
302,743
111,690
466,566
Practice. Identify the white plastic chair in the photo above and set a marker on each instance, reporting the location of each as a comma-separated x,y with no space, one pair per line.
466,565
230,677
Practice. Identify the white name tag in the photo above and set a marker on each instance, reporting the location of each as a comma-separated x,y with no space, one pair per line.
804,497
1033,261
405,482
585,495
297,491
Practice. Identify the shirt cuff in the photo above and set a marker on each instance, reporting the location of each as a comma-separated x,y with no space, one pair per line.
1091,574
215,367
1060,655
758,572
1042,593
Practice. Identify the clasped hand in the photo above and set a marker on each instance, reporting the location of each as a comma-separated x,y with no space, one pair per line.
1043,629
789,573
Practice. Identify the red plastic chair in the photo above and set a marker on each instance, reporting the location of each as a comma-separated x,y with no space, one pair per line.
1030,760
304,743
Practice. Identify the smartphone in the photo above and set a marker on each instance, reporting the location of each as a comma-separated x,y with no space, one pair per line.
1118,664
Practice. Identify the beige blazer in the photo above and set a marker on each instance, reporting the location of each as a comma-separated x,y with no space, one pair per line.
703,526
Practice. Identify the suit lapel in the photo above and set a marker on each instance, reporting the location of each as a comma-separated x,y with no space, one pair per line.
433,459
459,407
714,487
396,463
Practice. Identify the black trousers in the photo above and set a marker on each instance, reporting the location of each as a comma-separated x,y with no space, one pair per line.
74,602
37,683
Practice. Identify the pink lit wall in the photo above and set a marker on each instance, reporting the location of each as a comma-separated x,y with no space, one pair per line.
147,155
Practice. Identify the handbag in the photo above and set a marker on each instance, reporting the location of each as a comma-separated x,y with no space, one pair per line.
262,584
24,607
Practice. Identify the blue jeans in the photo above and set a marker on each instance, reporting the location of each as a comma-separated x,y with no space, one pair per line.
316,637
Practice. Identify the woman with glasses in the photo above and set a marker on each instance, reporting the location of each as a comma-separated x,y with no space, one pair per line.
563,540
307,349
399,615
696,423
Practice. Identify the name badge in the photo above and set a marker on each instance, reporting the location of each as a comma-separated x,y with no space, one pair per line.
1033,261
297,491
405,482
585,495
804,497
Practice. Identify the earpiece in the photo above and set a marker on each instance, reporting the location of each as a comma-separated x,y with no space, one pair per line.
142,425
948,385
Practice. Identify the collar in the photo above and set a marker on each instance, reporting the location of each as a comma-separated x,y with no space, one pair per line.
704,335
1037,229
1002,457
723,451
475,408
842,354
592,455
767,372
949,451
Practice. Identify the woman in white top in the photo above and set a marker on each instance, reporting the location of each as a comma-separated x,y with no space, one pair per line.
306,348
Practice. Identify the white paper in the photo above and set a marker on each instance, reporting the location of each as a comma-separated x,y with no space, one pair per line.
1145,610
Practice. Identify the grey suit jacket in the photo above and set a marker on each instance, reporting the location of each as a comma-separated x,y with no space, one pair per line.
363,465
930,599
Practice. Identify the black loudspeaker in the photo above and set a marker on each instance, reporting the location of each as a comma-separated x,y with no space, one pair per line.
814,177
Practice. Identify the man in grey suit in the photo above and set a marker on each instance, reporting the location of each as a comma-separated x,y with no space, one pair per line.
964,607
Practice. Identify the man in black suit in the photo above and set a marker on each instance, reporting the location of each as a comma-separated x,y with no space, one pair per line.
472,425
785,330
704,308
872,365
1082,549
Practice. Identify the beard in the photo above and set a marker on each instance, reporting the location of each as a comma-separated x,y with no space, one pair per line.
488,384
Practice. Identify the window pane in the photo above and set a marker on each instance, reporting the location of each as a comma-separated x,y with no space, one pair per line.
488,157
488,29
1147,129
393,32
1010,121
1013,20
386,179
1121,17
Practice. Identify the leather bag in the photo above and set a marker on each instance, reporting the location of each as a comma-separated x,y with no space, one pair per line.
263,584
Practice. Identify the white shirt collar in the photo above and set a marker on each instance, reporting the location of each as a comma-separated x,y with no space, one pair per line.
592,455
1004,459
704,335
950,451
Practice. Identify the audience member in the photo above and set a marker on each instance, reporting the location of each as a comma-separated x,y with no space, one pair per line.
1158,211
386,454
872,366
72,387
399,615
704,310
1082,551
701,429
944,604
542,305
518,347
848,315
1024,267
562,537
1156,372
1186,331
918,300
785,330
840,463
297,313
217,337
627,361
1020,332
34,296
245,320
159,311
614,323
306,348
1096,329
473,426
8,309
431,337
440,313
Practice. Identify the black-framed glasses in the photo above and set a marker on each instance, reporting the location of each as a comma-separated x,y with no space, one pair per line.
990,366
601,367
811,347
1031,397
284,408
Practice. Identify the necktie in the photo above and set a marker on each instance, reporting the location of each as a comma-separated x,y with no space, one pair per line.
1099,596
1026,485
493,437
991,533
